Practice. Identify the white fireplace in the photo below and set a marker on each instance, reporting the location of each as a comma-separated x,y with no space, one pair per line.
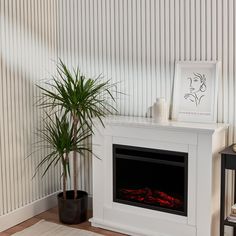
200,142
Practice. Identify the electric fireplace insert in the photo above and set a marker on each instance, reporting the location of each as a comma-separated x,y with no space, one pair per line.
150,178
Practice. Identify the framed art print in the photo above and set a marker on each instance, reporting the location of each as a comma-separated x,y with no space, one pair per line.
195,91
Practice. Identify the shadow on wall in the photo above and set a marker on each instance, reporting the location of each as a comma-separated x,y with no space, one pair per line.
27,48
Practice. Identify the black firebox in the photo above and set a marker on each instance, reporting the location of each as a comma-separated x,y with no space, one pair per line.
150,178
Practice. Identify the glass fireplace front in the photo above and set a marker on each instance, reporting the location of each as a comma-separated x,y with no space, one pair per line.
150,178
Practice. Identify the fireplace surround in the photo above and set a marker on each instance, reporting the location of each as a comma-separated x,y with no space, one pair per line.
135,204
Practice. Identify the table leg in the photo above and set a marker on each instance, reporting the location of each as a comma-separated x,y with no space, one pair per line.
222,197
234,197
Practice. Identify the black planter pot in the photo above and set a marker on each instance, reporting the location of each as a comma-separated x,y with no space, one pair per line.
73,211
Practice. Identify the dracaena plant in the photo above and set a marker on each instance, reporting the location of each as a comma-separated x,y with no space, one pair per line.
58,139
80,98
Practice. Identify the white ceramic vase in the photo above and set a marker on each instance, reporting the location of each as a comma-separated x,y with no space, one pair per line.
160,110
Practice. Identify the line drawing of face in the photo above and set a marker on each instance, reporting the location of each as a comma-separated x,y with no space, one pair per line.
197,83
197,87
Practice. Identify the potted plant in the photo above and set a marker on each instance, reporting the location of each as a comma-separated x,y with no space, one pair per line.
78,100
57,138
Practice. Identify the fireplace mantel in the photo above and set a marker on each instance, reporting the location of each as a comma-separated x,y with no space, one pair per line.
202,142
170,125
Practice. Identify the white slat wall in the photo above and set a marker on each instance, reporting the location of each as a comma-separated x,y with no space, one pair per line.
133,42
28,46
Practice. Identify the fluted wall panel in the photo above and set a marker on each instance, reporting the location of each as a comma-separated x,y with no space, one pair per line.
136,43
132,42
28,46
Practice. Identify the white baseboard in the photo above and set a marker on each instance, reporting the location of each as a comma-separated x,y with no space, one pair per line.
24,213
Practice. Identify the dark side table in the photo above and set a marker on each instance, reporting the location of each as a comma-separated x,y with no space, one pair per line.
228,162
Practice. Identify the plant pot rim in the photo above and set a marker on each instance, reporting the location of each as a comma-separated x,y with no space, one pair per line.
80,195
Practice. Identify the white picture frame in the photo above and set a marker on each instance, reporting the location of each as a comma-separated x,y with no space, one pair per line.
195,91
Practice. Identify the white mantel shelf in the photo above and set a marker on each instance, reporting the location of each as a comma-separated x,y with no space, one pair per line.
201,141
172,125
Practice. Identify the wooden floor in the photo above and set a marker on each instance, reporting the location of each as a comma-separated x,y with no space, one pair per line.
52,216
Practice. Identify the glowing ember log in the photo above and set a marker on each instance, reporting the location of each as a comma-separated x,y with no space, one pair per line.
149,196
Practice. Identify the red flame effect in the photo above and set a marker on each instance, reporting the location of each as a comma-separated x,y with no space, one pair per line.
146,195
